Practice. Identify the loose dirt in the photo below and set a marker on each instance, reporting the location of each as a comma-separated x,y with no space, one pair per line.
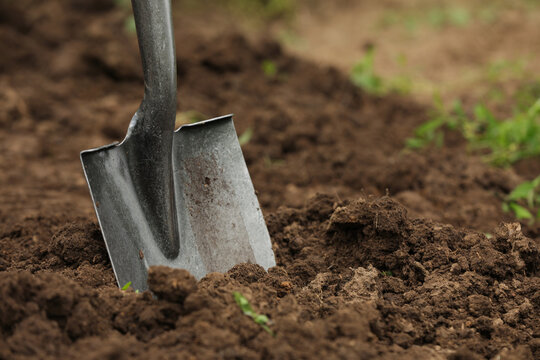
361,274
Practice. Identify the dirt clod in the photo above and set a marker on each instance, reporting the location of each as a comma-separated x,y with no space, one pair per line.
173,285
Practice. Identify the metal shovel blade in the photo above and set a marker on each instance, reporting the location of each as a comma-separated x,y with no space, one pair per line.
218,218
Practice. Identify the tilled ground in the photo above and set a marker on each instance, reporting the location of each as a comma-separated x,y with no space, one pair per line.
358,275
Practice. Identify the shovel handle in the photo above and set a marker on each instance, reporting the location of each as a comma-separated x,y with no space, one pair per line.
148,143
153,21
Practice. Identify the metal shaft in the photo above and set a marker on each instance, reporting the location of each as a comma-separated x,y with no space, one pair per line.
156,42
150,133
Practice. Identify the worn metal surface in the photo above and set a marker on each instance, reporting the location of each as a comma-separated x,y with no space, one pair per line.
182,199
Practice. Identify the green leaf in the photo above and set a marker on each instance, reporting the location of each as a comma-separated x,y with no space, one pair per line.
429,127
246,308
246,136
129,25
520,212
363,74
126,286
269,68
482,113
522,191
260,319
415,143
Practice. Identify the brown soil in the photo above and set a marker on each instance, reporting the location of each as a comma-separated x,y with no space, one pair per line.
358,275
450,57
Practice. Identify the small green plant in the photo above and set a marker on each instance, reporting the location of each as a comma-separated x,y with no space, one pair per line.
506,141
129,25
441,118
129,22
524,201
246,308
363,74
387,273
126,286
269,68
246,136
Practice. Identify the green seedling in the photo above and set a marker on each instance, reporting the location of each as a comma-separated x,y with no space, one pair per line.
246,308
129,25
524,201
363,74
387,273
129,22
245,137
269,68
505,141
432,131
127,286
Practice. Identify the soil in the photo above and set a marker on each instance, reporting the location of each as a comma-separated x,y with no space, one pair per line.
381,253
421,40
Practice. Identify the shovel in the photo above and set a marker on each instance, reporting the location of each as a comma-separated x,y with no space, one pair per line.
181,198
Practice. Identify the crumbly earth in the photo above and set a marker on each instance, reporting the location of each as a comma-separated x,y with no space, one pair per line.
381,253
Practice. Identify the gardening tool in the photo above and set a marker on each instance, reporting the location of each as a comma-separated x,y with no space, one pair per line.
180,198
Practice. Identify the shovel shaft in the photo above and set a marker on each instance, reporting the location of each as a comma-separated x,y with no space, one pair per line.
148,144
156,42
